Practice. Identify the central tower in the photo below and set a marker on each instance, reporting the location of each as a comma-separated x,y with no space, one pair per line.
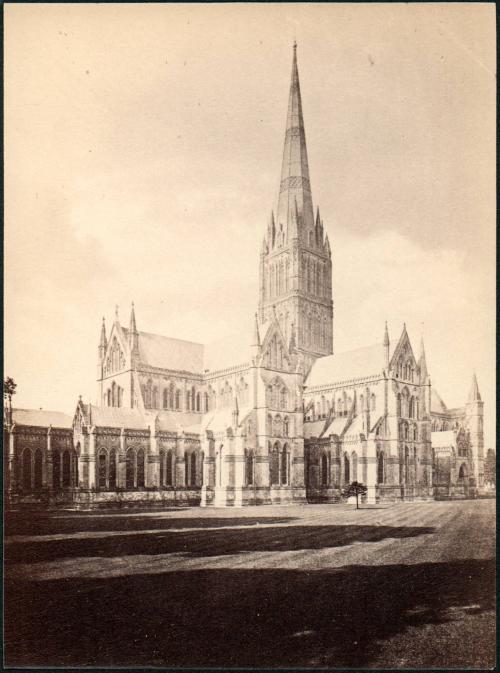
295,260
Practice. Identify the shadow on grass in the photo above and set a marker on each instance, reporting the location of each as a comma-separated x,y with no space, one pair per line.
19,523
262,618
208,543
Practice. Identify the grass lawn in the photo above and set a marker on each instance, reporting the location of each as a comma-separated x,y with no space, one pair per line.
402,586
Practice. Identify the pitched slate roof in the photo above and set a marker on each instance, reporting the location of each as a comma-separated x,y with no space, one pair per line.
219,420
355,364
228,352
118,417
314,428
41,418
443,439
172,421
437,403
167,353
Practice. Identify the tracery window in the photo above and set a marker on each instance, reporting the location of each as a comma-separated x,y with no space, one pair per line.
134,468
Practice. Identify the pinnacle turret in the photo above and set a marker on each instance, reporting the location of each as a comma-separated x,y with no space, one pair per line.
386,341
422,363
474,395
133,334
256,335
132,325
103,342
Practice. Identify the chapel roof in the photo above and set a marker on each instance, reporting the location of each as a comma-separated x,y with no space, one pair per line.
117,417
41,418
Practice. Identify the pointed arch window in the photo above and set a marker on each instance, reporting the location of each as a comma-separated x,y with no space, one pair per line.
354,466
112,469
56,470
249,467
141,468
274,465
347,470
380,468
102,469
170,469
177,399
286,426
38,469
284,465
165,398
27,469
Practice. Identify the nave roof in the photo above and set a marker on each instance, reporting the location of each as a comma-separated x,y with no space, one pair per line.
355,364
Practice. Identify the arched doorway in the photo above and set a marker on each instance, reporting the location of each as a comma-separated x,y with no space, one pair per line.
463,479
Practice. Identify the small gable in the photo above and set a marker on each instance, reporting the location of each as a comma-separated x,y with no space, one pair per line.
275,354
116,352
403,362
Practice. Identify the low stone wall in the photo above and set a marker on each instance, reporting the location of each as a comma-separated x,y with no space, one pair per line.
93,499
323,495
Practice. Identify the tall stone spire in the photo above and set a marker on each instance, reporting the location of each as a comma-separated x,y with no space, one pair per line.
474,395
295,275
295,184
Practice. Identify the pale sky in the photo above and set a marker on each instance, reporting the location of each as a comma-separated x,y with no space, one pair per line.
143,148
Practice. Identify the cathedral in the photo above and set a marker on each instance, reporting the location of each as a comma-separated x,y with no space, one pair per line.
269,417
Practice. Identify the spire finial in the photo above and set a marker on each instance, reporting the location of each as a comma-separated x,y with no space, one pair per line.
116,312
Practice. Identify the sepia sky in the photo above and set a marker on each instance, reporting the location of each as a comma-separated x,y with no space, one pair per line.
143,148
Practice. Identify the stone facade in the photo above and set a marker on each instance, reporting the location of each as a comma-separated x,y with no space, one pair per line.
268,417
